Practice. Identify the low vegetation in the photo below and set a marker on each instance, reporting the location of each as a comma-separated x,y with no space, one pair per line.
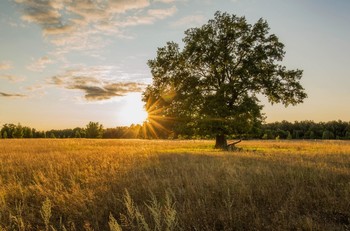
85,184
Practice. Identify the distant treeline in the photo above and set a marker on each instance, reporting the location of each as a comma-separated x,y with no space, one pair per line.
277,130
306,130
92,130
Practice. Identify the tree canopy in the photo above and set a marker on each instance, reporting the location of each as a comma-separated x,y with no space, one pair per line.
212,84
94,130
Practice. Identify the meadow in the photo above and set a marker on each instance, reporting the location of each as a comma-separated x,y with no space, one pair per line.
82,184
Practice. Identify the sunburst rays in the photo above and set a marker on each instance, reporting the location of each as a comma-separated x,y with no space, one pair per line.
155,125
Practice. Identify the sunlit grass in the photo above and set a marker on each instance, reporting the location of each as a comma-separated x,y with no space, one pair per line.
268,185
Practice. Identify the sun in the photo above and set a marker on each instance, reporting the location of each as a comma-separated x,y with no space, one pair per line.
132,111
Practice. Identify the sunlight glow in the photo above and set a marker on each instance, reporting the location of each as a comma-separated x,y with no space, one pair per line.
155,122
132,112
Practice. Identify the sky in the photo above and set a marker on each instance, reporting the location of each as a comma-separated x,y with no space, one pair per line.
64,63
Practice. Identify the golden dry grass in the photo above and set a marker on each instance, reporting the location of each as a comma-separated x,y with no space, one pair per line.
81,184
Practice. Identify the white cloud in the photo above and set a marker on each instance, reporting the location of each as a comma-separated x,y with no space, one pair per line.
162,13
5,65
40,64
81,24
121,6
165,1
191,20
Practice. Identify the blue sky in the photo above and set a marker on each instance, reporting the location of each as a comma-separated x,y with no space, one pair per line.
64,63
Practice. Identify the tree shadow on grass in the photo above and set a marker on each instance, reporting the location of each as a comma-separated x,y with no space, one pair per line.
244,190
237,192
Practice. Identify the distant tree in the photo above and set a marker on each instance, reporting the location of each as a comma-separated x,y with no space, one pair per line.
82,133
281,133
211,86
111,133
327,135
347,135
34,133
77,134
0,135
18,132
296,134
133,131
52,135
269,134
289,136
9,128
4,135
27,132
311,135
94,130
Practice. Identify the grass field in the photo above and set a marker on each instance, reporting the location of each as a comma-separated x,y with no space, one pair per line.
81,184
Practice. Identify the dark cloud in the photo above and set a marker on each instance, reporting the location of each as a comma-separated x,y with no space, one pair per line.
95,89
3,94
94,93
44,13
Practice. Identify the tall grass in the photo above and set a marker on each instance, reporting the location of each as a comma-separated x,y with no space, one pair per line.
173,185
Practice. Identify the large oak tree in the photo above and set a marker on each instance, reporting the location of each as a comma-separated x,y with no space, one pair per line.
212,84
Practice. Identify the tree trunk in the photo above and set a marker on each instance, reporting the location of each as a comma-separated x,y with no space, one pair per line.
221,142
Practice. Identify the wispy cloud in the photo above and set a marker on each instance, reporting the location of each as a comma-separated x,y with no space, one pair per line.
162,13
71,25
96,83
11,95
5,65
40,64
165,1
36,87
191,20
12,78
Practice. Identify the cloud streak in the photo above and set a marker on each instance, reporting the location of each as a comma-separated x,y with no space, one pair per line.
95,83
107,90
11,95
